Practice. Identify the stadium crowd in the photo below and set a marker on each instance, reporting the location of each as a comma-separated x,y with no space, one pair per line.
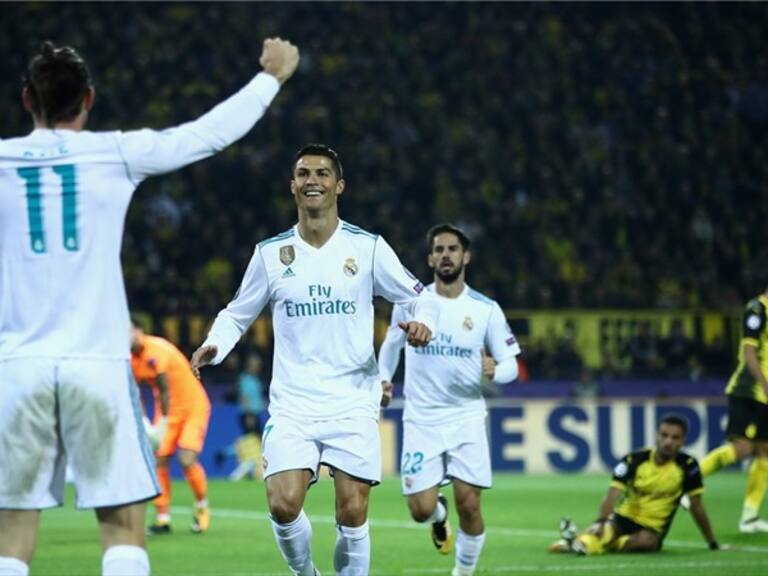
599,155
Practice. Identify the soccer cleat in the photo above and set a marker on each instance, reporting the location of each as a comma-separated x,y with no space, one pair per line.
567,536
442,535
568,530
159,528
201,520
753,526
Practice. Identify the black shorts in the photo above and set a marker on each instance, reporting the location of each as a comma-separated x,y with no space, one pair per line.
747,418
626,526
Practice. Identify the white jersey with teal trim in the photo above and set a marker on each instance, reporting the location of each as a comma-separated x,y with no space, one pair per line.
442,380
63,199
322,314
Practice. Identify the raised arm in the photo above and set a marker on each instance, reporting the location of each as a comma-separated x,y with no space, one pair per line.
149,152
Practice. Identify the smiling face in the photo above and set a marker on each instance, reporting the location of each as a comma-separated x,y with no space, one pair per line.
315,185
448,257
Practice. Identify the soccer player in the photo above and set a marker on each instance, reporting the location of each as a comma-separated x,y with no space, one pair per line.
444,437
647,486
182,411
66,392
319,279
747,429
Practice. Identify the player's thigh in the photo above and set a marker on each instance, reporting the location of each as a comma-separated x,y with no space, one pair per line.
467,496
102,431
423,459
18,533
32,460
122,525
289,444
470,460
170,439
194,429
286,492
353,446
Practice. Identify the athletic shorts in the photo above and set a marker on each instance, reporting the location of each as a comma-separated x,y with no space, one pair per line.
747,418
351,445
186,432
84,413
434,455
626,526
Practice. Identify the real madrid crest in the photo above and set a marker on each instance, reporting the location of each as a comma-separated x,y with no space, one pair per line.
468,324
287,254
350,267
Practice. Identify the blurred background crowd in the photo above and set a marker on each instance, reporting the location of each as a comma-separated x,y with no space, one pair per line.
600,156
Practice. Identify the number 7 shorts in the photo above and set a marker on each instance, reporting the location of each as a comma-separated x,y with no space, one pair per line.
351,445
81,412
434,455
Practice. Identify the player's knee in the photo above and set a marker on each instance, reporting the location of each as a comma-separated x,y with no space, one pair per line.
352,511
284,512
285,507
420,510
187,458
646,542
743,448
469,511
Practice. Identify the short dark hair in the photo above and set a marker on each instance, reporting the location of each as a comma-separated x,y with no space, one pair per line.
57,80
675,420
442,229
321,150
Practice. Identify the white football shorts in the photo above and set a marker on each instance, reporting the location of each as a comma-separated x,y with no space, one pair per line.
434,455
352,445
81,412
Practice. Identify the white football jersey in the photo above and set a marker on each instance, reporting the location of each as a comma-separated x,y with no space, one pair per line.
322,315
63,199
442,380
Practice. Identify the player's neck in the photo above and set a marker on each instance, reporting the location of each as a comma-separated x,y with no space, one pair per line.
317,229
452,290
76,125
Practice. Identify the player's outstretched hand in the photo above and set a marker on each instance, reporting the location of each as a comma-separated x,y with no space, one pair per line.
489,364
202,357
279,58
416,333
386,393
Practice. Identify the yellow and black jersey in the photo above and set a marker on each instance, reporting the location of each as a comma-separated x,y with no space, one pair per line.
652,491
754,333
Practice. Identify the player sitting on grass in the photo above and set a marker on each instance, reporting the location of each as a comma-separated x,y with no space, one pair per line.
649,484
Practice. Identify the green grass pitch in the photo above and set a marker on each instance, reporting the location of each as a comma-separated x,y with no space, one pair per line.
521,514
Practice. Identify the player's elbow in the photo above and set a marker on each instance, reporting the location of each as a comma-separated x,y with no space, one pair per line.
506,371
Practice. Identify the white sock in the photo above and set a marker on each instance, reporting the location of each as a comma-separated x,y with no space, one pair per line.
352,556
125,561
468,550
12,567
438,514
295,542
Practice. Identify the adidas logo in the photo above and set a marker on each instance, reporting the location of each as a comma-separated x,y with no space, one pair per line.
288,273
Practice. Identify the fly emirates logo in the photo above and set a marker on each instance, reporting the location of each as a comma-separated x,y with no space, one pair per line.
320,303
